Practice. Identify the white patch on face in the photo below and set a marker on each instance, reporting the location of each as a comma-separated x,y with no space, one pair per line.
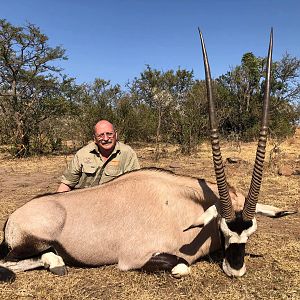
232,272
181,270
233,237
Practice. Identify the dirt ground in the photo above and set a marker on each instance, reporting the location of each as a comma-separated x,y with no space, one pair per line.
273,252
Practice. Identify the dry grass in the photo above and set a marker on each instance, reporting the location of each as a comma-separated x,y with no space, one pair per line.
273,253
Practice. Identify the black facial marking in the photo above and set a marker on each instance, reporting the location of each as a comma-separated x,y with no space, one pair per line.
235,254
222,242
238,225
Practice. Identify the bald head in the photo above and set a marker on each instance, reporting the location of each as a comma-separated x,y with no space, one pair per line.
103,124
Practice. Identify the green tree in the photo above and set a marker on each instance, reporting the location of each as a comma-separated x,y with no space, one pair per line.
192,118
241,91
134,121
94,102
164,94
286,77
30,88
286,100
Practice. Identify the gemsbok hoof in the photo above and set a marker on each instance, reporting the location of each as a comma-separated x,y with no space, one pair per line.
6,275
62,270
181,270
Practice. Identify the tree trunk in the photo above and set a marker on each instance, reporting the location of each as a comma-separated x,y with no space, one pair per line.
157,139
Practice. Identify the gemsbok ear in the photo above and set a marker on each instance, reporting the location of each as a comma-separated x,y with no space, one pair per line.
210,214
272,211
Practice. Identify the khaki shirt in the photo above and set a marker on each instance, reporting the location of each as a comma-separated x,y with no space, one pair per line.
88,169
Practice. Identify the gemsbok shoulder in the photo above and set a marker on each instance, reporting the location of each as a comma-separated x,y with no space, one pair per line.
148,219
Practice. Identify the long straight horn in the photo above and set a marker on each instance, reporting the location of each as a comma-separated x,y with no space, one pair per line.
226,206
251,200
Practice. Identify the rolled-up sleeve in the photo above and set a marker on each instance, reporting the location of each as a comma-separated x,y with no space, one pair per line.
72,174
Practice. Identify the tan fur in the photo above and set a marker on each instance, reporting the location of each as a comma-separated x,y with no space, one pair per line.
125,221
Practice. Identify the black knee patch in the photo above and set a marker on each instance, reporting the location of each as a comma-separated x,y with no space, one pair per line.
4,250
7,275
163,262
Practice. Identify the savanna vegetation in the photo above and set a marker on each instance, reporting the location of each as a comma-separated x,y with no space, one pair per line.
40,107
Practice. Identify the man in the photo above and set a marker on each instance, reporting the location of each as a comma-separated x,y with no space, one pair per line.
100,161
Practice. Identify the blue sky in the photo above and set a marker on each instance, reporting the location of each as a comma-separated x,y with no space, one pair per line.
116,39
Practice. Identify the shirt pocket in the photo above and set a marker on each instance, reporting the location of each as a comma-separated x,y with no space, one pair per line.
89,170
88,177
112,171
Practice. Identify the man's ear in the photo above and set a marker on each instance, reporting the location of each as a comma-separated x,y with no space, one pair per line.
116,134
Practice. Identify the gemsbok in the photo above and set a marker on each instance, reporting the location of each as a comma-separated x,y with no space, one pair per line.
148,219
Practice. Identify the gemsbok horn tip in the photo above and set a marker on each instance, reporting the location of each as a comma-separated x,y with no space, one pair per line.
252,198
225,202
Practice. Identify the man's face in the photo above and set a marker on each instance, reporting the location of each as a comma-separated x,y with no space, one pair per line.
105,137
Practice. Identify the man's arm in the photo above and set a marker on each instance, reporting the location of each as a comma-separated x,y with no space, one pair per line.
71,175
63,188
